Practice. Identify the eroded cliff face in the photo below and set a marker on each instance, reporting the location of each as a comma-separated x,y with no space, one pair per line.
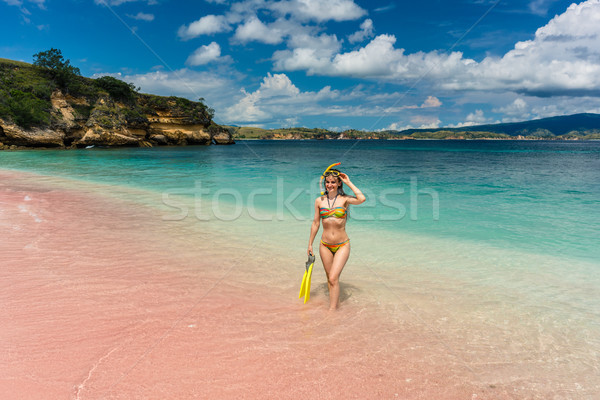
77,123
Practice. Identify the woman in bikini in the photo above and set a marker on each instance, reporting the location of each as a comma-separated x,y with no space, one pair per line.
335,245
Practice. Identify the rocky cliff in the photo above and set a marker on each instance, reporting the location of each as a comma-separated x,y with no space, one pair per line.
35,112
109,123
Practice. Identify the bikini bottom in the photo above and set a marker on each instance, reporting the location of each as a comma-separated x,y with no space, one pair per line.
333,247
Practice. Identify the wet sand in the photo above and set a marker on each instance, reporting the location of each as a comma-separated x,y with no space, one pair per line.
100,299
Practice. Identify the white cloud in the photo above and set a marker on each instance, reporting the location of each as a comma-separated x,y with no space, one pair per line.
310,53
563,58
254,30
319,10
246,110
365,32
204,54
142,17
425,121
375,59
207,25
518,110
476,118
431,102
416,122
278,85
275,97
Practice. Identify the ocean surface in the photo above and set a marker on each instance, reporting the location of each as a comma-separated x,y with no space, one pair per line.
535,196
493,247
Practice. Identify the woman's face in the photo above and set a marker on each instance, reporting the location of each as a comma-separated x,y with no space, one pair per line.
331,183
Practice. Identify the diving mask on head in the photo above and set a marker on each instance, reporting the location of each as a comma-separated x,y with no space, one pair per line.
333,172
327,172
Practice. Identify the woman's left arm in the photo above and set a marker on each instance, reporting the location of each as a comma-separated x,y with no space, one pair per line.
359,196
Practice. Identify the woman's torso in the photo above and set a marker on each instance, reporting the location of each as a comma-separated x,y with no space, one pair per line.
333,217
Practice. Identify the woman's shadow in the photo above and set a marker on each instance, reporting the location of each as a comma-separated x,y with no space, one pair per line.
347,290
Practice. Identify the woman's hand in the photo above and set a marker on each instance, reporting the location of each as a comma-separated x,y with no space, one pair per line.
310,250
344,178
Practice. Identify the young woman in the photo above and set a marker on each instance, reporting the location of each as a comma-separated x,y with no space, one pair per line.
335,245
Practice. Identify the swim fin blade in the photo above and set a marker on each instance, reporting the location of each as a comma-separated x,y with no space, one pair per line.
305,287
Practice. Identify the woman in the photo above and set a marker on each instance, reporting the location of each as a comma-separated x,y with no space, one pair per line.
335,245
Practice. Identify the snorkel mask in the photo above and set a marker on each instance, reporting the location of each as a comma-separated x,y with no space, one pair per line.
323,177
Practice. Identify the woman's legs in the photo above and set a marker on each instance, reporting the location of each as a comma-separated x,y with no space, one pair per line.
334,264
327,260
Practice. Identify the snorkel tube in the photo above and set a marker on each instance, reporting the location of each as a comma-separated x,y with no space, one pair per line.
323,176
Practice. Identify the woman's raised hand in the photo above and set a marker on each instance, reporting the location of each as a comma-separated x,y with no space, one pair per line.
344,178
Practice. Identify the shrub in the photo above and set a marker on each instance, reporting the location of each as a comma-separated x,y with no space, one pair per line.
26,110
118,89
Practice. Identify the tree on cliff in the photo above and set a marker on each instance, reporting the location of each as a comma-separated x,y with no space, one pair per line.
63,72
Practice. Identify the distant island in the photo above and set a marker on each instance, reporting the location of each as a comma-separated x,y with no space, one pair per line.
568,127
50,105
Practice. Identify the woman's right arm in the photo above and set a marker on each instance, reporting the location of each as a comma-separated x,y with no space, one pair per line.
314,227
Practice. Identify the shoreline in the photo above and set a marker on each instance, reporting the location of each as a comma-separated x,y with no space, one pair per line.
17,148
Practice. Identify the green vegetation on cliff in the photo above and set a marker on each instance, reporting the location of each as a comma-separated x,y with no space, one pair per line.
26,93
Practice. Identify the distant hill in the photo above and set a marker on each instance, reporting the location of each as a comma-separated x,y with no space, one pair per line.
576,124
567,127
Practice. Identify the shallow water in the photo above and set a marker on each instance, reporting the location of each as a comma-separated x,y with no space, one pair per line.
497,295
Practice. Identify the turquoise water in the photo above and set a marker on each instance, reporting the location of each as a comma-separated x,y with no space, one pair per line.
491,247
539,197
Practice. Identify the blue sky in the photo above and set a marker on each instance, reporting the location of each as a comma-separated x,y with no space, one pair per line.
335,64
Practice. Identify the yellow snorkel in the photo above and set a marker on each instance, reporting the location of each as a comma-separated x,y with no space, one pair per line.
323,176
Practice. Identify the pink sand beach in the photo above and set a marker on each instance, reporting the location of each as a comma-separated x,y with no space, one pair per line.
101,299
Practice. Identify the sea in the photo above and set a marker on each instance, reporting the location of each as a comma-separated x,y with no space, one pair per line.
489,248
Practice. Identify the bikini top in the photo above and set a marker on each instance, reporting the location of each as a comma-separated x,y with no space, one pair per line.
336,212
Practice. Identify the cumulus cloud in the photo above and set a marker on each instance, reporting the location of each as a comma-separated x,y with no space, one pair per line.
365,32
562,58
475,118
431,102
311,53
416,122
273,99
319,10
207,25
204,54
278,85
517,110
425,121
255,30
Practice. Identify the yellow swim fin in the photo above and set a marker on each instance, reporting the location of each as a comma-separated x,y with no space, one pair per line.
305,287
